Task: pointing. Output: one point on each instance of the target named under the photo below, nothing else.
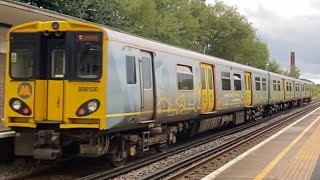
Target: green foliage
(168, 21)
(296, 74)
(274, 66)
(229, 35)
(217, 30)
(316, 90)
(99, 11)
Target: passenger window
(185, 77)
(274, 85)
(131, 70)
(146, 72)
(210, 79)
(290, 86)
(203, 78)
(245, 83)
(258, 84)
(264, 84)
(279, 85)
(226, 83)
(237, 82)
(249, 83)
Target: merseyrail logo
(24, 90)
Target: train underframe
(48, 142)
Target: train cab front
(55, 86)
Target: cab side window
(131, 70)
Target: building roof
(14, 13)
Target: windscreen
(67, 55)
(22, 60)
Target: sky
(286, 26)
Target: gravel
(16, 169)
(19, 168)
(147, 170)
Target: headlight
(92, 106)
(88, 107)
(16, 105)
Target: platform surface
(292, 153)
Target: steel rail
(108, 174)
(181, 168)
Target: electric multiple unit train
(75, 88)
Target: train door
(248, 89)
(283, 92)
(293, 89)
(305, 91)
(56, 70)
(146, 85)
(207, 92)
(210, 88)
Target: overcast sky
(287, 25)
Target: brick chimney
(293, 63)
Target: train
(75, 88)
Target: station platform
(292, 153)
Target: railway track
(98, 169)
(215, 152)
(183, 169)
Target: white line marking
(215, 173)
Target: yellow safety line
(305, 159)
(274, 162)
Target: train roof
(155, 46)
(290, 78)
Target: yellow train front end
(55, 87)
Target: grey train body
(124, 100)
(155, 93)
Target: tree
(227, 34)
(296, 74)
(316, 90)
(99, 11)
(274, 66)
(217, 30)
(168, 21)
